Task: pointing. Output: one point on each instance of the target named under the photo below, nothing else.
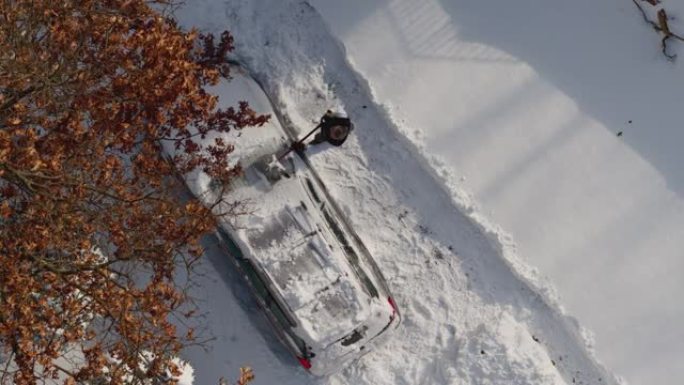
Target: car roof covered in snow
(284, 232)
(287, 236)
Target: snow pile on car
(300, 262)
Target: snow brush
(335, 126)
(299, 144)
(271, 166)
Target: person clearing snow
(334, 129)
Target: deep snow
(474, 313)
(520, 104)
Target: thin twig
(662, 27)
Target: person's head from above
(335, 127)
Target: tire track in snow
(466, 306)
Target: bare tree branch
(661, 26)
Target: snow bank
(561, 120)
(492, 352)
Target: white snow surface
(519, 103)
(468, 114)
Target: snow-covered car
(311, 273)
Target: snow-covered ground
(520, 103)
(468, 114)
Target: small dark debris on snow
(553, 362)
(535, 339)
(482, 352)
(364, 106)
(619, 133)
(629, 121)
(437, 253)
(423, 229)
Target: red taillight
(394, 306)
(304, 362)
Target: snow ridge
(542, 291)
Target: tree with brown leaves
(92, 230)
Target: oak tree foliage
(92, 229)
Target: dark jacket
(334, 130)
